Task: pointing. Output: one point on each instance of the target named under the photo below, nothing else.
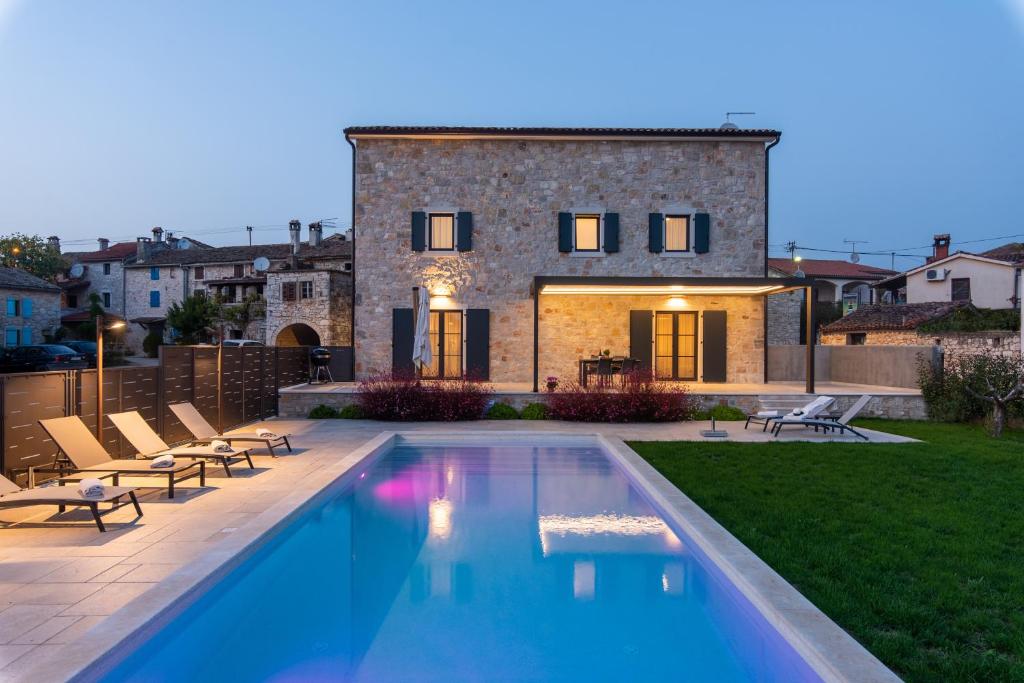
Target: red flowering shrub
(638, 399)
(404, 398)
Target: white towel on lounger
(90, 488)
(264, 433)
(166, 460)
(221, 446)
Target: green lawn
(917, 550)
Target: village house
(99, 272)
(31, 308)
(543, 247)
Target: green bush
(351, 412)
(534, 411)
(322, 412)
(722, 413)
(151, 344)
(970, 319)
(501, 411)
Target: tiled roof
(831, 268)
(517, 131)
(893, 316)
(245, 254)
(114, 253)
(1012, 252)
(15, 278)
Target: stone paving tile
(114, 573)
(10, 653)
(29, 660)
(48, 629)
(24, 571)
(151, 572)
(108, 599)
(53, 593)
(76, 630)
(80, 569)
(17, 620)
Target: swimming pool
(473, 562)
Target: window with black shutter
(239, 270)
(287, 291)
(961, 289)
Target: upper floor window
(587, 232)
(961, 289)
(154, 299)
(306, 289)
(287, 291)
(441, 232)
(13, 307)
(677, 233)
(154, 272)
(199, 273)
(106, 269)
(72, 301)
(239, 270)
(106, 299)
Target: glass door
(446, 345)
(675, 345)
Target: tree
(252, 307)
(31, 253)
(87, 330)
(994, 379)
(192, 318)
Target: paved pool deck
(62, 580)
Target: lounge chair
(842, 424)
(768, 417)
(13, 496)
(204, 432)
(149, 444)
(87, 455)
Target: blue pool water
(473, 564)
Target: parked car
(86, 348)
(41, 357)
(242, 342)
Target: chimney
(940, 247)
(294, 230)
(158, 234)
(142, 248)
(53, 242)
(316, 234)
(104, 243)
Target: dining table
(588, 367)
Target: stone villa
(31, 307)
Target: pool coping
(831, 652)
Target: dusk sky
(899, 119)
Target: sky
(900, 119)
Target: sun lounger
(811, 409)
(204, 432)
(87, 455)
(13, 496)
(842, 425)
(149, 444)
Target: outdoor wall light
(677, 302)
(440, 290)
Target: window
(106, 269)
(442, 232)
(287, 291)
(306, 289)
(446, 344)
(154, 299)
(12, 336)
(677, 233)
(26, 308)
(13, 307)
(856, 339)
(72, 301)
(154, 273)
(199, 293)
(675, 345)
(239, 270)
(587, 232)
(348, 266)
(961, 289)
(199, 273)
(106, 299)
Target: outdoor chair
(204, 432)
(149, 444)
(842, 424)
(13, 496)
(604, 370)
(87, 455)
(811, 409)
(627, 369)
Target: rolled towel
(768, 413)
(166, 460)
(264, 433)
(221, 446)
(90, 488)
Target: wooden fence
(242, 389)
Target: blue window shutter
(419, 231)
(26, 335)
(564, 232)
(11, 336)
(26, 308)
(154, 299)
(611, 233)
(701, 233)
(655, 232)
(12, 307)
(464, 230)
(154, 273)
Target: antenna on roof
(729, 125)
(854, 256)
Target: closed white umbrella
(422, 356)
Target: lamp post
(100, 324)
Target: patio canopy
(582, 285)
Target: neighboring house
(543, 246)
(989, 279)
(99, 272)
(31, 307)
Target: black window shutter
(564, 232)
(402, 333)
(478, 343)
(419, 231)
(641, 337)
(701, 233)
(464, 221)
(714, 360)
(611, 233)
(655, 232)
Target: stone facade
(784, 318)
(515, 189)
(328, 311)
(36, 327)
(1000, 342)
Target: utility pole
(249, 230)
(791, 248)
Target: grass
(917, 550)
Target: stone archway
(297, 334)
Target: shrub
(351, 412)
(970, 319)
(151, 344)
(322, 412)
(501, 411)
(396, 397)
(534, 411)
(721, 413)
(962, 391)
(639, 400)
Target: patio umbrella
(421, 353)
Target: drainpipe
(764, 305)
(352, 319)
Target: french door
(675, 345)
(446, 344)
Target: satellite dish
(261, 264)
(77, 270)
(854, 257)
(182, 244)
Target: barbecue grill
(319, 362)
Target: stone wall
(515, 190)
(328, 312)
(784, 318)
(45, 316)
(1001, 342)
(172, 285)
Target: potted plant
(606, 353)
(552, 383)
